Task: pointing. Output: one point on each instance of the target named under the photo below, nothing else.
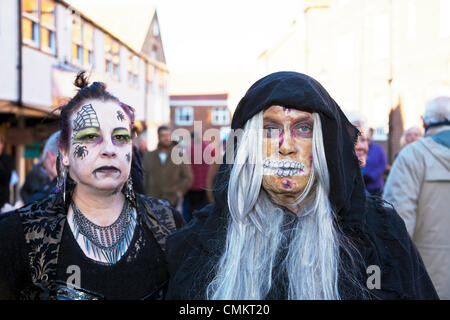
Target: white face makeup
(100, 150)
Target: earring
(129, 192)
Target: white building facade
(371, 55)
(44, 43)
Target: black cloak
(373, 226)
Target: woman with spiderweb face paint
(96, 232)
(99, 155)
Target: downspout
(19, 62)
(145, 96)
(19, 152)
(391, 107)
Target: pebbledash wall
(39, 64)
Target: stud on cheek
(128, 157)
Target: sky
(215, 35)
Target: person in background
(163, 178)
(197, 197)
(419, 188)
(362, 144)
(6, 169)
(40, 184)
(35, 181)
(213, 168)
(376, 165)
(411, 135)
(141, 144)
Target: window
(133, 69)
(184, 116)
(154, 54)
(38, 24)
(82, 43)
(220, 116)
(112, 53)
(380, 133)
(155, 30)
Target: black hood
(299, 91)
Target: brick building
(202, 112)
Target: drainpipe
(20, 150)
(145, 95)
(391, 107)
(19, 51)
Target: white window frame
(182, 112)
(112, 58)
(37, 26)
(82, 45)
(220, 116)
(133, 70)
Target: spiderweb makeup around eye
(86, 118)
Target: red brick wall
(203, 114)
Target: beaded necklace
(110, 241)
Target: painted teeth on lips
(282, 168)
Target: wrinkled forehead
(99, 114)
(286, 112)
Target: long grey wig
(256, 230)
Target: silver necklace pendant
(111, 241)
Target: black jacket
(375, 229)
(6, 169)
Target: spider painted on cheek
(80, 151)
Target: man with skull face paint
(83, 242)
(291, 219)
